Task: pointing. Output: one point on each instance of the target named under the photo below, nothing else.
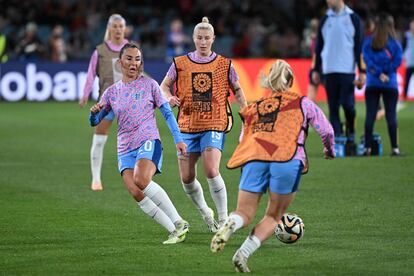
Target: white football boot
(240, 262)
(211, 223)
(222, 236)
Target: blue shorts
(151, 150)
(198, 142)
(280, 178)
(110, 116)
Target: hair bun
(205, 19)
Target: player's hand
(96, 108)
(329, 153)
(363, 78)
(316, 78)
(360, 81)
(181, 148)
(83, 102)
(384, 78)
(174, 101)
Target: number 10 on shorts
(147, 147)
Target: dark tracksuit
(338, 49)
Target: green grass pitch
(358, 212)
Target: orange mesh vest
(270, 131)
(203, 89)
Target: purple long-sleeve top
(134, 105)
(314, 116)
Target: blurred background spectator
(57, 45)
(131, 35)
(30, 47)
(177, 41)
(309, 37)
(244, 28)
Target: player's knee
(141, 181)
(188, 178)
(276, 212)
(211, 172)
(137, 194)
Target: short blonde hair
(204, 24)
(280, 77)
(112, 18)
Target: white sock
(250, 245)
(219, 195)
(195, 192)
(152, 210)
(158, 195)
(239, 221)
(98, 144)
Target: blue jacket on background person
(384, 61)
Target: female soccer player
(203, 80)
(133, 101)
(383, 55)
(272, 156)
(103, 63)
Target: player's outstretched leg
(240, 262)
(218, 193)
(222, 236)
(195, 192)
(249, 246)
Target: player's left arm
(171, 122)
(318, 120)
(173, 126)
(239, 94)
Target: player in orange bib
(272, 156)
(203, 80)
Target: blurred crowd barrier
(64, 82)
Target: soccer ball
(290, 229)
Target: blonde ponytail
(280, 77)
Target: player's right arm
(100, 110)
(97, 113)
(167, 86)
(90, 78)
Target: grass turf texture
(357, 211)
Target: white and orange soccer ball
(290, 228)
